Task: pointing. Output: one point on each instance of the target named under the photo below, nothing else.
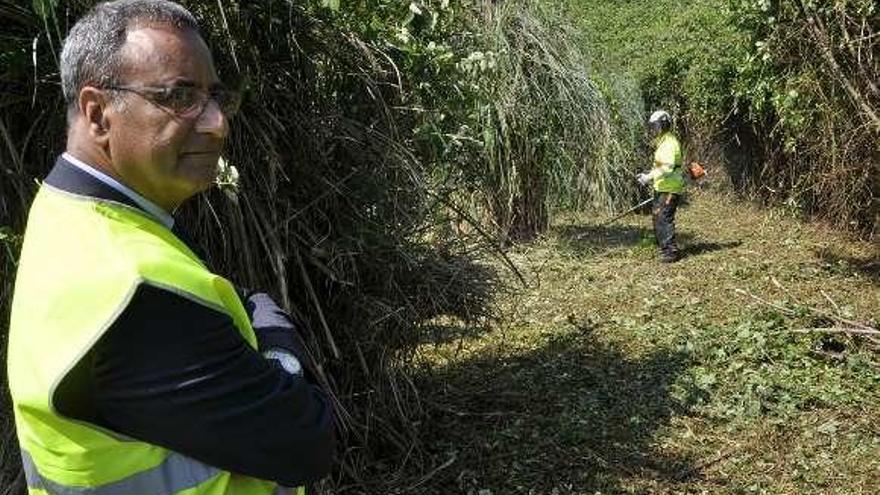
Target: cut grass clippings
(613, 373)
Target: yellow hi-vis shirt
(65, 299)
(667, 172)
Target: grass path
(612, 373)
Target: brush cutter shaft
(627, 212)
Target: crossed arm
(178, 374)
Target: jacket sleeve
(175, 373)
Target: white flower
(227, 178)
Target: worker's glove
(644, 179)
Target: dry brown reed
(552, 135)
(330, 218)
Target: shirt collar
(145, 204)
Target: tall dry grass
(554, 133)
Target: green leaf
(331, 4)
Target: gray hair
(91, 50)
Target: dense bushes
(783, 92)
(810, 82)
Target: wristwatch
(287, 360)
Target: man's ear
(93, 107)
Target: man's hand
(273, 327)
(644, 179)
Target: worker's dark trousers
(663, 215)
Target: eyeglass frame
(192, 112)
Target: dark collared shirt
(174, 373)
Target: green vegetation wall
(782, 94)
(809, 85)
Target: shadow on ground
(597, 239)
(451, 333)
(594, 239)
(573, 416)
(866, 266)
(690, 249)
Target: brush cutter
(625, 213)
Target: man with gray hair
(133, 368)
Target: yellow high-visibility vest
(81, 262)
(668, 173)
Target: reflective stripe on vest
(175, 474)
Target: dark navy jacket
(174, 373)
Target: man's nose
(212, 120)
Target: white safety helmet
(660, 117)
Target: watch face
(287, 360)
(291, 364)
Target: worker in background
(133, 368)
(667, 177)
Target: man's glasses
(186, 101)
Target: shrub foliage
(786, 90)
